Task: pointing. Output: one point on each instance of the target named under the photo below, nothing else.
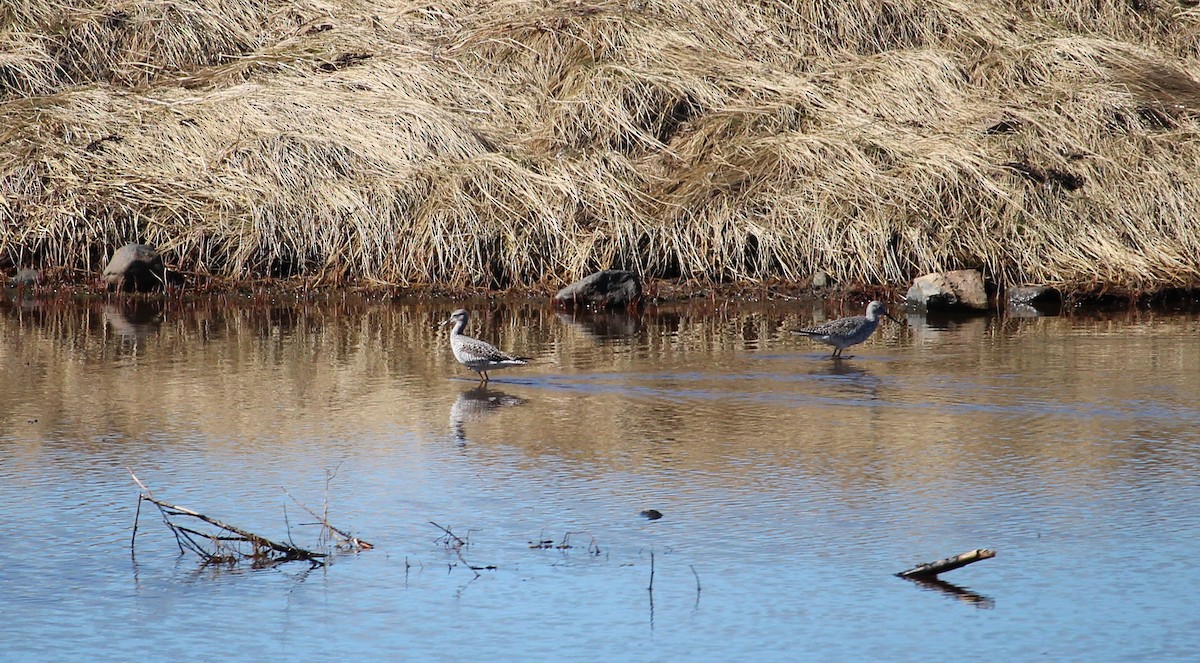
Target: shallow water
(792, 486)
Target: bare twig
(347, 538)
(458, 542)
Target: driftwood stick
(931, 569)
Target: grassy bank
(510, 144)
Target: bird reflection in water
(841, 369)
(847, 379)
(475, 404)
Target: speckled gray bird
(845, 332)
(475, 354)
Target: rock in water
(1033, 300)
(941, 290)
(931, 291)
(27, 277)
(1033, 294)
(610, 288)
(136, 267)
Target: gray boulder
(1033, 294)
(610, 288)
(1033, 300)
(27, 278)
(136, 267)
(943, 290)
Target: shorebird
(475, 354)
(844, 332)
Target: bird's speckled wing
(474, 349)
(839, 327)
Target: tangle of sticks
(217, 542)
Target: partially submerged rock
(610, 288)
(27, 277)
(943, 290)
(136, 267)
(1033, 301)
(1033, 294)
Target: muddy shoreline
(657, 292)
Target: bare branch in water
(347, 540)
(456, 543)
(450, 540)
(221, 547)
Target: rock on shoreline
(610, 288)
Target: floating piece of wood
(931, 569)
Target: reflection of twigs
(458, 542)
(651, 587)
(192, 539)
(348, 539)
(489, 567)
(136, 515)
(593, 547)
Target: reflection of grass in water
(246, 378)
(501, 144)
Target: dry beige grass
(501, 144)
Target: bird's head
(878, 308)
(457, 316)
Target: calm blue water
(792, 487)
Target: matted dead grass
(515, 144)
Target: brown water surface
(792, 486)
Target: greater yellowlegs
(475, 354)
(844, 332)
